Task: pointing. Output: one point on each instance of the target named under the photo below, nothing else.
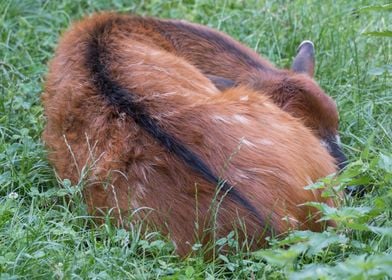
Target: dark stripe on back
(221, 43)
(124, 102)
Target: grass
(45, 231)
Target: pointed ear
(304, 60)
(221, 83)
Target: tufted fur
(155, 132)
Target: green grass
(45, 231)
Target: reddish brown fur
(265, 153)
(215, 53)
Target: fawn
(155, 132)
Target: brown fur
(215, 53)
(265, 153)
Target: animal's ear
(221, 83)
(304, 60)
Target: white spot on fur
(242, 175)
(278, 126)
(218, 118)
(241, 119)
(266, 142)
(244, 98)
(269, 105)
(248, 143)
(157, 159)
